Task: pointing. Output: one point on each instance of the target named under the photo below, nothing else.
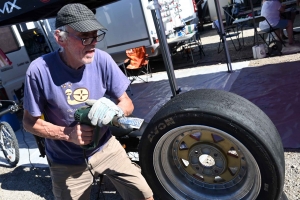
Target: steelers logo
(81, 94)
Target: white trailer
(130, 24)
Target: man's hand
(81, 134)
(103, 111)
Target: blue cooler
(12, 119)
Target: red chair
(137, 63)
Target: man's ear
(59, 38)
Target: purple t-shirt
(56, 90)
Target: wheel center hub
(207, 160)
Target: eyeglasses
(88, 41)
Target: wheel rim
(200, 162)
(7, 144)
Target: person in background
(59, 83)
(271, 10)
(200, 14)
(236, 8)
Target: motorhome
(130, 24)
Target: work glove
(103, 111)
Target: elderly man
(59, 83)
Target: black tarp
(18, 11)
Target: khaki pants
(74, 181)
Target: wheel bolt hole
(196, 152)
(216, 171)
(215, 155)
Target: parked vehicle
(138, 29)
(12, 76)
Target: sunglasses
(88, 41)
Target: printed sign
(9, 6)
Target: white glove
(103, 111)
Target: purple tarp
(273, 88)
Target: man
(271, 10)
(59, 83)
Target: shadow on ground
(38, 182)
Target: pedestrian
(60, 82)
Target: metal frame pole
(225, 46)
(160, 30)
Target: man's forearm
(125, 103)
(45, 129)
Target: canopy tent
(20, 11)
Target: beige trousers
(74, 181)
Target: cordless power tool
(81, 115)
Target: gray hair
(63, 34)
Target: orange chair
(137, 63)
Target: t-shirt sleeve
(33, 94)
(117, 83)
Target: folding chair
(229, 23)
(268, 31)
(137, 63)
(228, 34)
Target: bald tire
(228, 113)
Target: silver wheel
(201, 162)
(9, 144)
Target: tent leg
(160, 30)
(218, 9)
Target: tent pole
(160, 30)
(41, 25)
(225, 46)
(254, 25)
